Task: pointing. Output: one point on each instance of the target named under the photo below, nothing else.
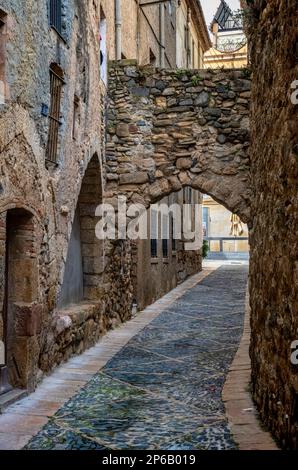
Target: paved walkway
(155, 383)
(163, 389)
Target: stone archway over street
(173, 128)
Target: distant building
(226, 234)
(62, 287)
(165, 34)
(144, 31)
(192, 35)
(228, 38)
(229, 51)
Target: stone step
(11, 397)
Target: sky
(210, 7)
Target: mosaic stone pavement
(163, 389)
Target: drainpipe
(118, 26)
(162, 34)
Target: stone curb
(240, 410)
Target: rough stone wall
(149, 35)
(274, 245)
(156, 277)
(79, 326)
(51, 192)
(169, 129)
(2, 269)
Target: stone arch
(172, 128)
(20, 297)
(85, 259)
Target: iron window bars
(54, 115)
(154, 248)
(56, 15)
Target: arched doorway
(20, 310)
(169, 248)
(85, 259)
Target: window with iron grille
(57, 82)
(3, 34)
(56, 15)
(165, 248)
(153, 248)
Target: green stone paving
(163, 389)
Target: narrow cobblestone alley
(163, 389)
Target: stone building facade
(52, 155)
(272, 28)
(60, 287)
(162, 34)
(170, 130)
(150, 36)
(161, 262)
(191, 129)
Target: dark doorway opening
(21, 314)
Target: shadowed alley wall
(273, 239)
